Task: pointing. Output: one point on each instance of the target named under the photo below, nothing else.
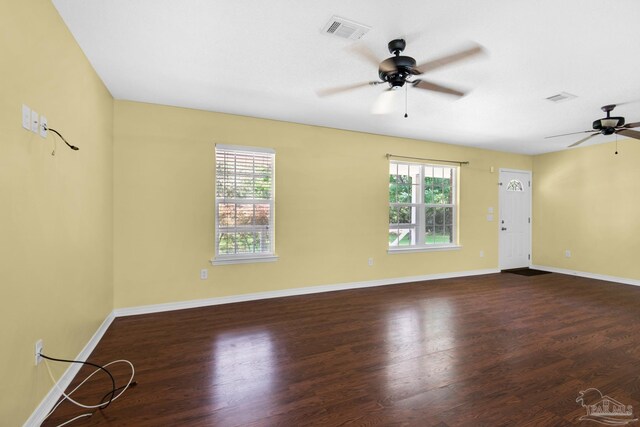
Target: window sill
(424, 249)
(244, 260)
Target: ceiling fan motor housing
(607, 125)
(396, 69)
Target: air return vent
(562, 96)
(345, 28)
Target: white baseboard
(156, 308)
(623, 280)
(52, 397)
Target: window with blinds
(244, 202)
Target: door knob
(504, 228)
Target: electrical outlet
(567, 253)
(26, 117)
(39, 347)
(370, 262)
(43, 126)
(204, 274)
(481, 254)
(34, 122)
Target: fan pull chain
(406, 95)
(616, 144)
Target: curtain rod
(432, 160)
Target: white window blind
(244, 202)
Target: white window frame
(420, 207)
(267, 256)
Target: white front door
(515, 219)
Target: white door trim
(530, 179)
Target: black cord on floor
(112, 393)
(133, 383)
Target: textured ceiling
(268, 59)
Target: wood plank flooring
(494, 350)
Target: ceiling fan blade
(449, 59)
(565, 134)
(627, 102)
(341, 89)
(423, 84)
(367, 54)
(630, 133)
(632, 125)
(583, 140)
(384, 104)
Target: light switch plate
(26, 117)
(34, 121)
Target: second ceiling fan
(606, 126)
(399, 70)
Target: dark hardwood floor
(494, 350)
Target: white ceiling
(268, 58)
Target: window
(422, 206)
(244, 204)
(515, 185)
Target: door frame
(530, 179)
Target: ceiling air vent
(345, 28)
(562, 96)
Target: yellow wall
(587, 200)
(164, 205)
(56, 220)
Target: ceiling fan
(607, 126)
(399, 70)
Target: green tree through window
(422, 205)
